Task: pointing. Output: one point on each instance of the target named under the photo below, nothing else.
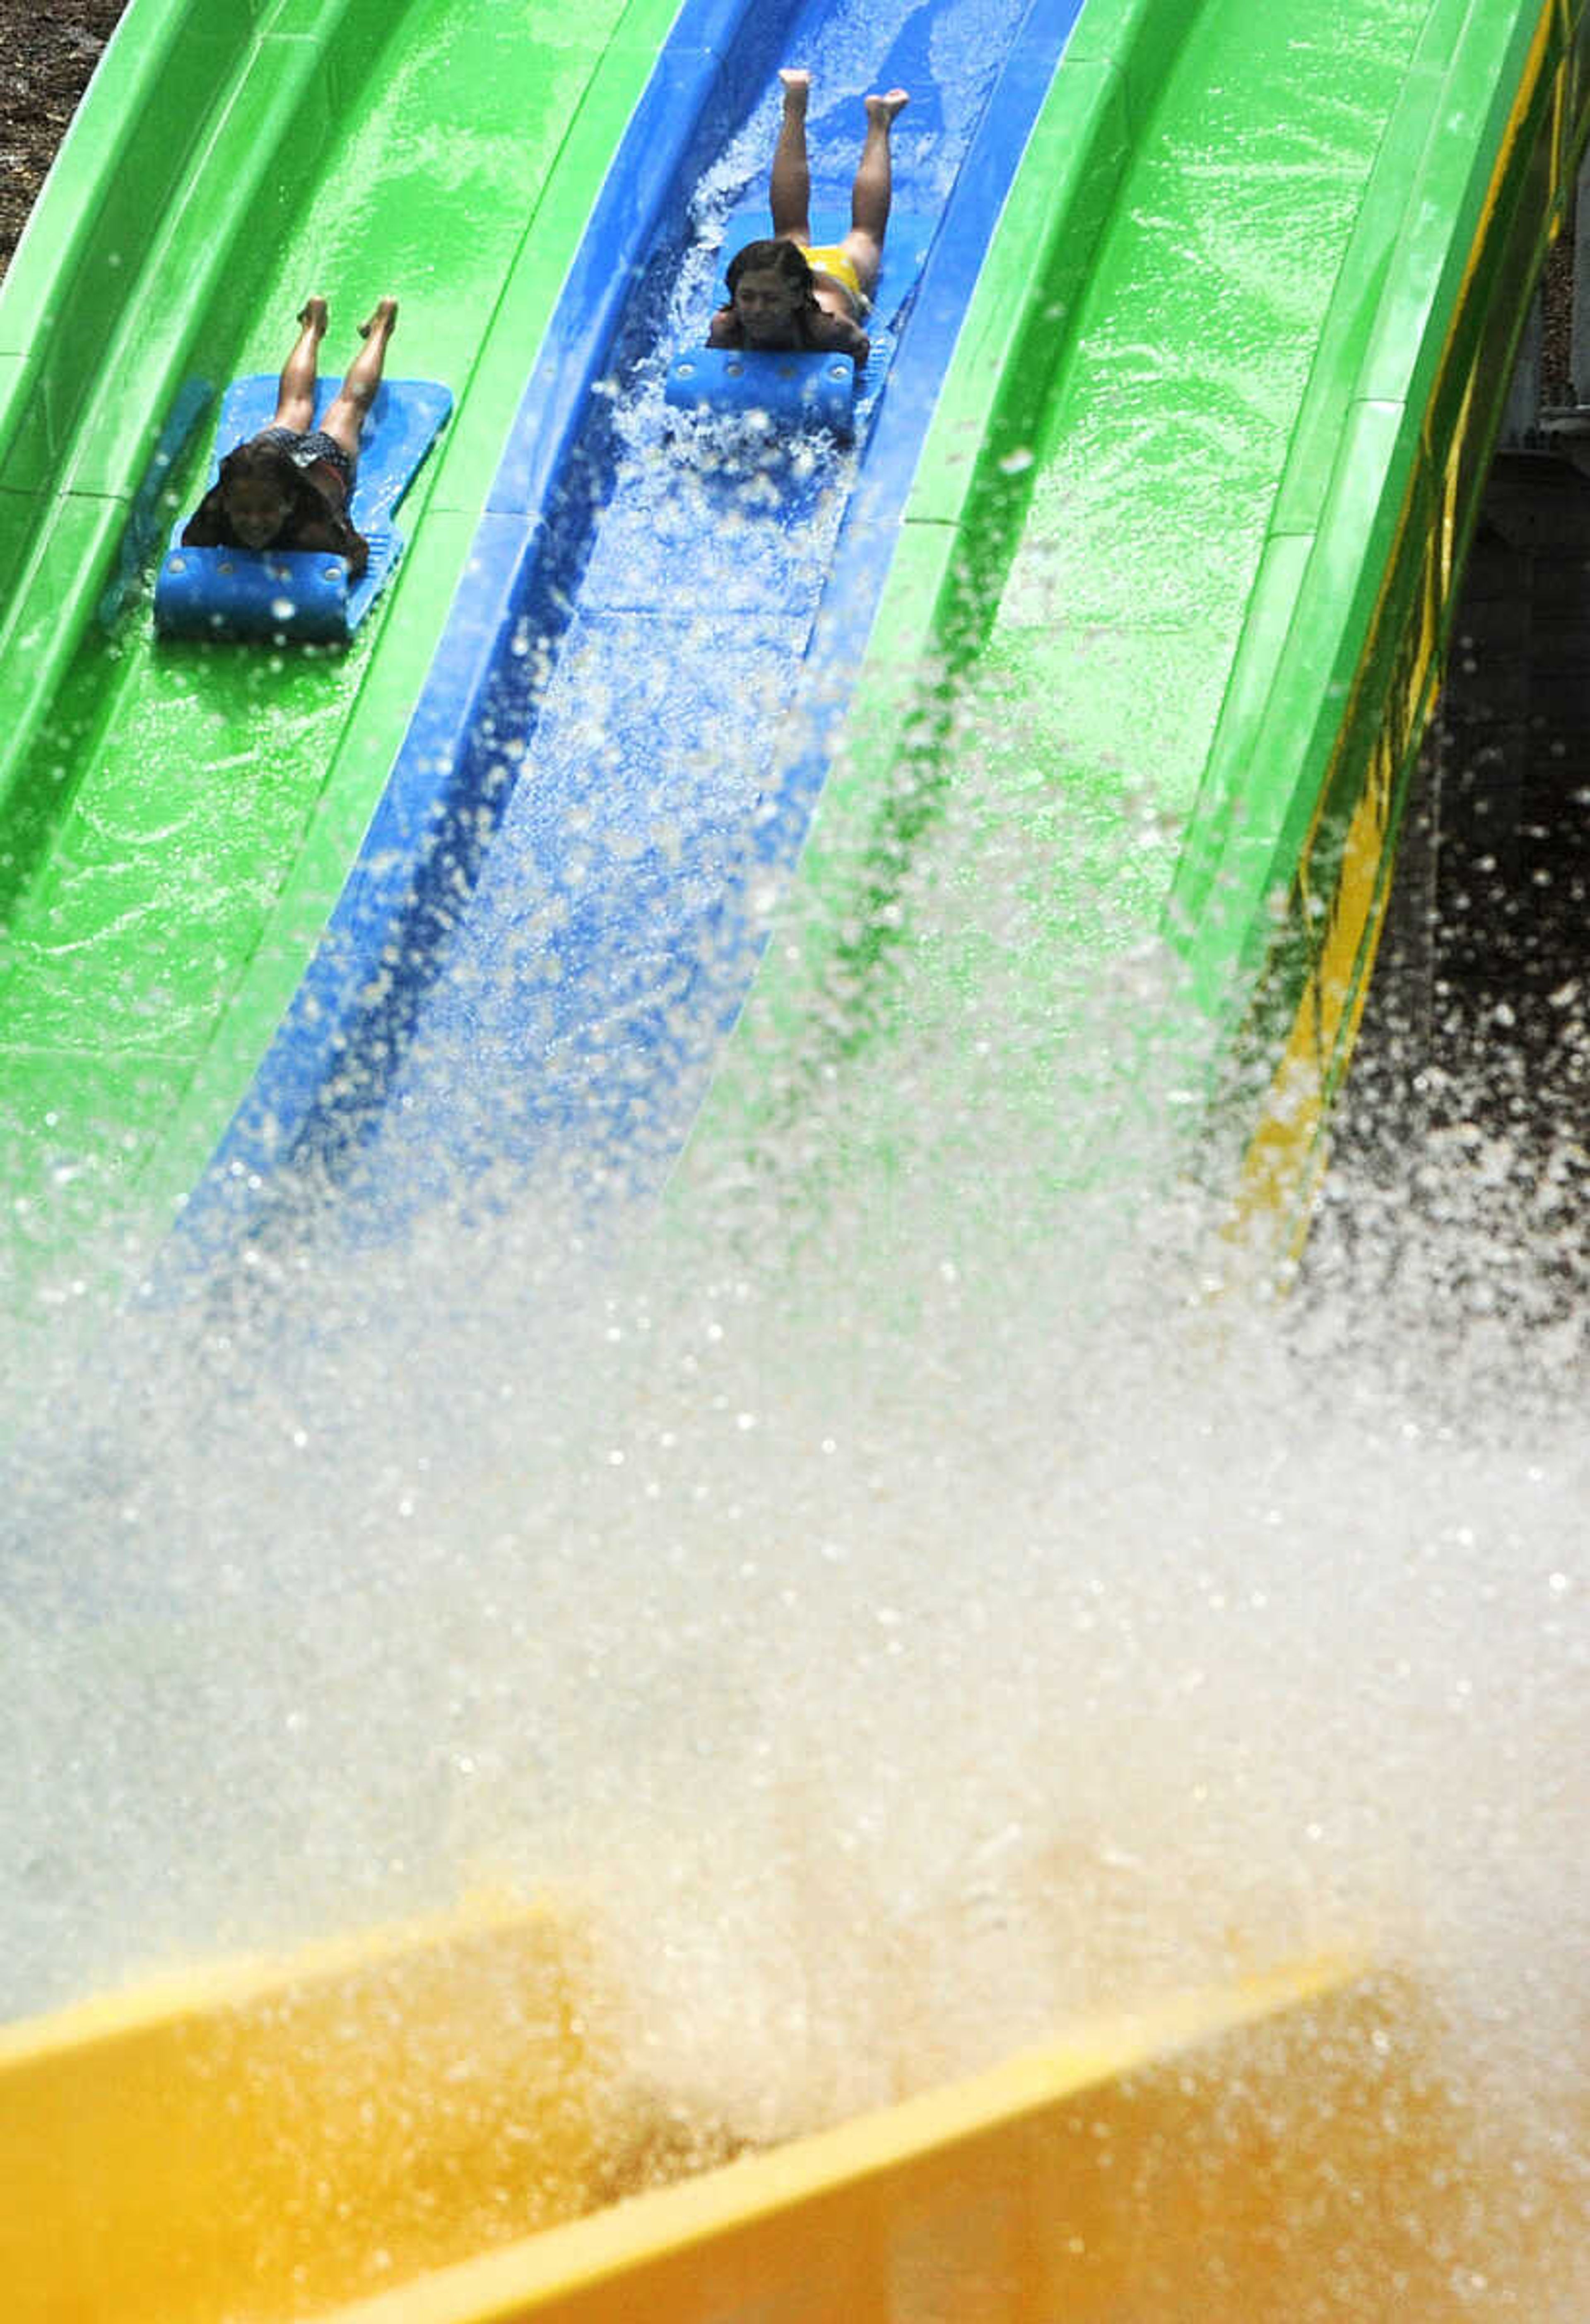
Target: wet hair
(304, 504)
(785, 258)
(254, 463)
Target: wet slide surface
(1138, 495)
(177, 821)
(1169, 471)
(1185, 535)
(651, 715)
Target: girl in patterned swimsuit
(289, 486)
(784, 293)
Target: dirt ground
(49, 47)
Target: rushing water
(654, 737)
(916, 1656)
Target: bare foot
(797, 83)
(882, 110)
(383, 320)
(314, 315)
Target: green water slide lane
(176, 823)
(1116, 800)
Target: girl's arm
(836, 334)
(337, 537)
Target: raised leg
(874, 188)
(346, 417)
(295, 390)
(791, 187)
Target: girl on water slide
(289, 486)
(785, 294)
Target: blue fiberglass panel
(613, 761)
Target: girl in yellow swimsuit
(787, 293)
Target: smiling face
(256, 510)
(766, 303)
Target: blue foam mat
(801, 390)
(301, 594)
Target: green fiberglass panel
(1157, 460)
(177, 821)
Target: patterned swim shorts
(304, 448)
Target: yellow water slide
(429, 2125)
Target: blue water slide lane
(419, 891)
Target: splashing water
(904, 1655)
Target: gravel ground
(49, 49)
